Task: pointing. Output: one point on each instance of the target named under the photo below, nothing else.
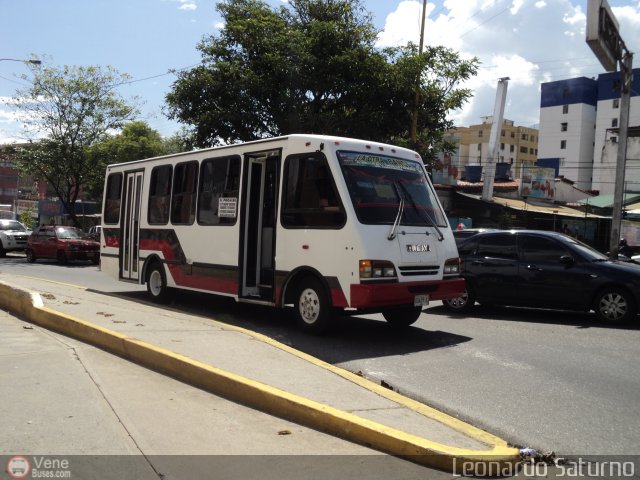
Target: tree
(136, 141)
(71, 108)
(312, 67)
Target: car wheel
(95, 260)
(402, 316)
(62, 257)
(312, 310)
(3, 252)
(157, 284)
(615, 305)
(463, 303)
(30, 256)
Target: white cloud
(187, 5)
(530, 41)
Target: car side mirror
(567, 260)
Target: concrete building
(518, 146)
(578, 117)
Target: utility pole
(621, 161)
(496, 128)
(414, 114)
(606, 43)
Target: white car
(13, 236)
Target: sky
(529, 41)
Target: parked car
(94, 233)
(532, 268)
(62, 243)
(13, 236)
(465, 233)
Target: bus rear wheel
(402, 316)
(312, 309)
(157, 284)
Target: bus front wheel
(402, 316)
(312, 309)
(157, 284)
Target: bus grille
(419, 270)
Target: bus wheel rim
(309, 306)
(155, 283)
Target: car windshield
(379, 183)
(66, 233)
(12, 225)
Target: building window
(614, 122)
(563, 144)
(513, 134)
(531, 151)
(565, 109)
(502, 133)
(523, 149)
(479, 147)
(479, 133)
(616, 103)
(614, 139)
(512, 148)
(563, 127)
(502, 146)
(525, 136)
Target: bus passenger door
(130, 226)
(258, 229)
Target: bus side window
(310, 197)
(218, 191)
(159, 195)
(113, 196)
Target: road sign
(602, 34)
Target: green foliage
(312, 67)
(136, 141)
(27, 219)
(72, 108)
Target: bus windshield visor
(378, 183)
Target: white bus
(325, 224)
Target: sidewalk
(253, 370)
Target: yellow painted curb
(28, 305)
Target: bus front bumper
(371, 295)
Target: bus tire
(157, 283)
(312, 310)
(402, 316)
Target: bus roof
(296, 136)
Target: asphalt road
(553, 381)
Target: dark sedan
(531, 268)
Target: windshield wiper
(422, 213)
(393, 233)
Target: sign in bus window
(219, 190)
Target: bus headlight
(451, 267)
(377, 269)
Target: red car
(62, 243)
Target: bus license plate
(421, 300)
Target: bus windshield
(380, 186)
